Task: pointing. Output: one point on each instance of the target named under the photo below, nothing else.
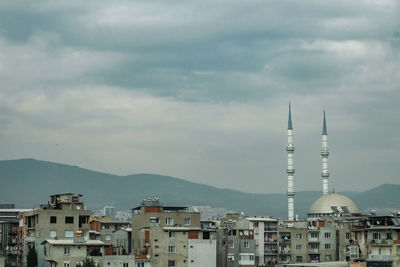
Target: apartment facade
(171, 236)
(63, 218)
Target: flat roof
(174, 208)
(181, 229)
(262, 219)
(71, 242)
(114, 222)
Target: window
(246, 244)
(169, 221)
(108, 237)
(206, 235)
(299, 247)
(389, 235)
(187, 221)
(80, 264)
(255, 224)
(69, 233)
(347, 236)
(125, 264)
(66, 250)
(231, 244)
(328, 258)
(53, 219)
(327, 235)
(299, 236)
(327, 246)
(231, 257)
(299, 258)
(53, 233)
(376, 235)
(171, 234)
(171, 263)
(66, 263)
(314, 235)
(171, 249)
(69, 219)
(140, 264)
(246, 257)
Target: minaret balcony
(325, 174)
(290, 148)
(290, 171)
(290, 194)
(324, 153)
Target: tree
(88, 262)
(31, 258)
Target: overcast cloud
(199, 89)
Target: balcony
(270, 229)
(381, 258)
(270, 252)
(285, 241)
(270, 241)
(313, 251)
(285, 251)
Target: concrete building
(11, 241)
(293, 242)
(266, 240)
(171, 236)
(236, 244)
(114, 234)
(63, 218)
(383, 238)
(109, 211)
(69, 253)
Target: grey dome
(332, 203)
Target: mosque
(329, 204)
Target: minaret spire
(324, 157)
(290, 169)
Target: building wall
(202, 253)
(119, 261)
(76, 254)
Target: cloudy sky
(199, 89)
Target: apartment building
(11, 241)
(116, 235)
(236, 244)
(70, 253)
(63, 218)
(292, 242)
(171, 236)
(266, 240)
(383, 238)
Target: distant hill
(29, 182)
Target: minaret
(324, 156)
(290, 169)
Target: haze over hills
(29, 182)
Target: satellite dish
(148, 256)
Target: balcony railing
(313, 251)
(270, 252)
(270, 229)
(270, 240)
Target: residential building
(11, 241)
(70, 253)
(266, 240)
(171, 236)
(236, 244)
(63, 218)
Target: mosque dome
(331, 204)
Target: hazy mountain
(29, 182)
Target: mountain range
(29, 182)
